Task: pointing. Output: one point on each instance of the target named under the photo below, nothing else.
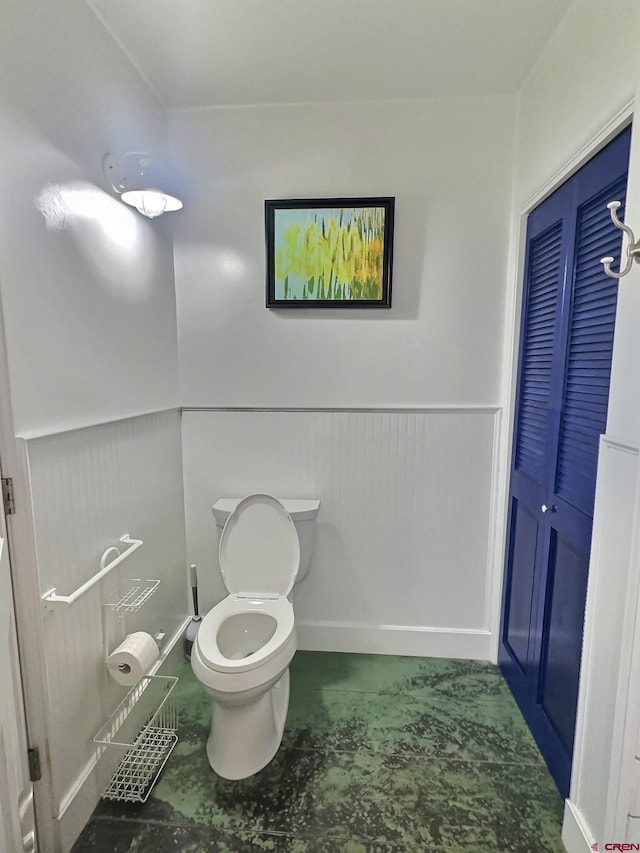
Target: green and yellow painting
(326, 253)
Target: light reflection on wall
(117, 243)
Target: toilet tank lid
(299, 509)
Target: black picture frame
(329, 252)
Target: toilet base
(244, 738)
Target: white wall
(574, 100)
(89, 488)
(383, 578)
(447, 162)
(88, 301)
(403, 550)
(585, 74)
(86, 283)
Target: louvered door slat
(537, 354)
(590, 342)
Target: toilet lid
(259, 548)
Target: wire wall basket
(131, 595)
(141, 733)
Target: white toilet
(245, 643)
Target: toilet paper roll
(132, 659)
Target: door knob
(546, 508)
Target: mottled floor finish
(380, 754)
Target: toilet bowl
(245, 643)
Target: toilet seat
(280, 609)
(259, 560)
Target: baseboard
(576, 835)
(394, 640)
(83, 796)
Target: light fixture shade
(136, 177)
(151, 202)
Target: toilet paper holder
(133, 658)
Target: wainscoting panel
(608, 722)
(404, 548)
(88, 488)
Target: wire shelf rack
(137, 772)
(131, 595)
(141, 734)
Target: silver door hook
(633, 247)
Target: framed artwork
(329, 252)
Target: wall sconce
(135, 177)
(633, 247)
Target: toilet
(245, 643)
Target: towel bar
(51, 599)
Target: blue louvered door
(566, 343)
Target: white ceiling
(197, 53)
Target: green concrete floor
(380, 753)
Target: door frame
(27, 609)
(513, 311)
(17, 817)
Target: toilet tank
(302, 511)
